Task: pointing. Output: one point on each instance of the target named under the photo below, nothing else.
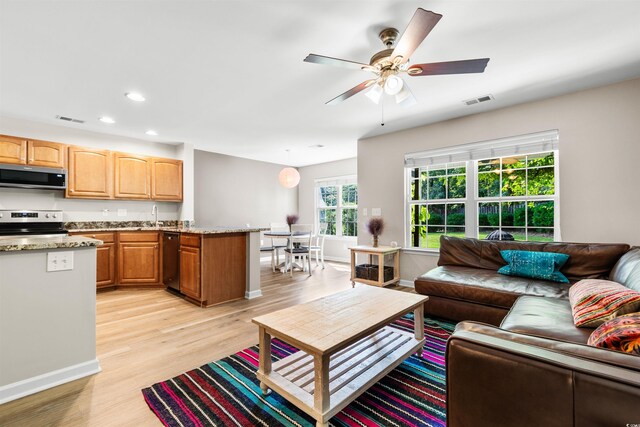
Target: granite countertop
(194, 230)
(34, 243)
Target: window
(507, 187)
(437, 205)
(517, 196)
(337, 206)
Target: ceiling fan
(389, 63)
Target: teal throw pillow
(537, 265)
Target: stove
(38, 223)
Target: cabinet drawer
(138, 236)
(105, 237)
(190, 240)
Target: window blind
(511, 146)
(336, 181)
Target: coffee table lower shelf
(352, 371)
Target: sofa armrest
(493, 379)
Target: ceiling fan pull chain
(382, 113)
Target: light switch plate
(376, 211)
(364, 211)
(122, 212)
(59, 261)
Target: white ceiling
(229, 76)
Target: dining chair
(318, 244)
(266, 248)
(299, 244)
(279, 244)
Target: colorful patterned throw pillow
(621, 334)
(595, 301)
(537, 265)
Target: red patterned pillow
(621, 334)
(595, 301)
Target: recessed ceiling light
(151, 132)
(135, 96)
(106, 119)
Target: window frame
(472, 201)
(338, 182)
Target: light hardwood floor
(148, 336)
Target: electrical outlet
(59, 261)
(376, 211)
(364, 212)
(122, 212)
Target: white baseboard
(38, 383)
(253, 294)
(408, 283)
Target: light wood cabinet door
(166, 179)
(45, 153)
(13, 150)
(132, 177)
(190, 271)
(90, 173)
(105, 258)
(138, 263)
(106, 265)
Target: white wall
(334, 248)
(234, 192)
(87, 210)
(599, 155)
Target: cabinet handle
(72, 190)
(93, 236)
(155, 247)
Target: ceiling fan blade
(348, 94)
(419, 27)
(450, 67)
(336, 62)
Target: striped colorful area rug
(226, 392)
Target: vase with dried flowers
(375, 227)
(291, 219)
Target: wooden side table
(380, 252)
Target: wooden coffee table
(345, 345)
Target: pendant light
(289, 177)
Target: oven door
(32, 177)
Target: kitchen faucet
(154, 211)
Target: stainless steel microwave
(32, 177)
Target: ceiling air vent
(478, 100)
(69, 119)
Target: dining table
(286, 235)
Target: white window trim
(335, 182)
(470, 153)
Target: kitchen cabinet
(45, 153)
(213, 267)
(23, 151)
(132, 176)
(138, 258)
(90, 173)
(166, 179)
(105, 258)
(190, 284)
(13, 150)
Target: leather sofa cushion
(627, 270)
(485, 286)
(595, 354)
(545, 317)
(586, 260)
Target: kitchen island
(217, 264)
(47, 313)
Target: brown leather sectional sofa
(535, 368)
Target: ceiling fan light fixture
(375, 93)
(393, 85)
